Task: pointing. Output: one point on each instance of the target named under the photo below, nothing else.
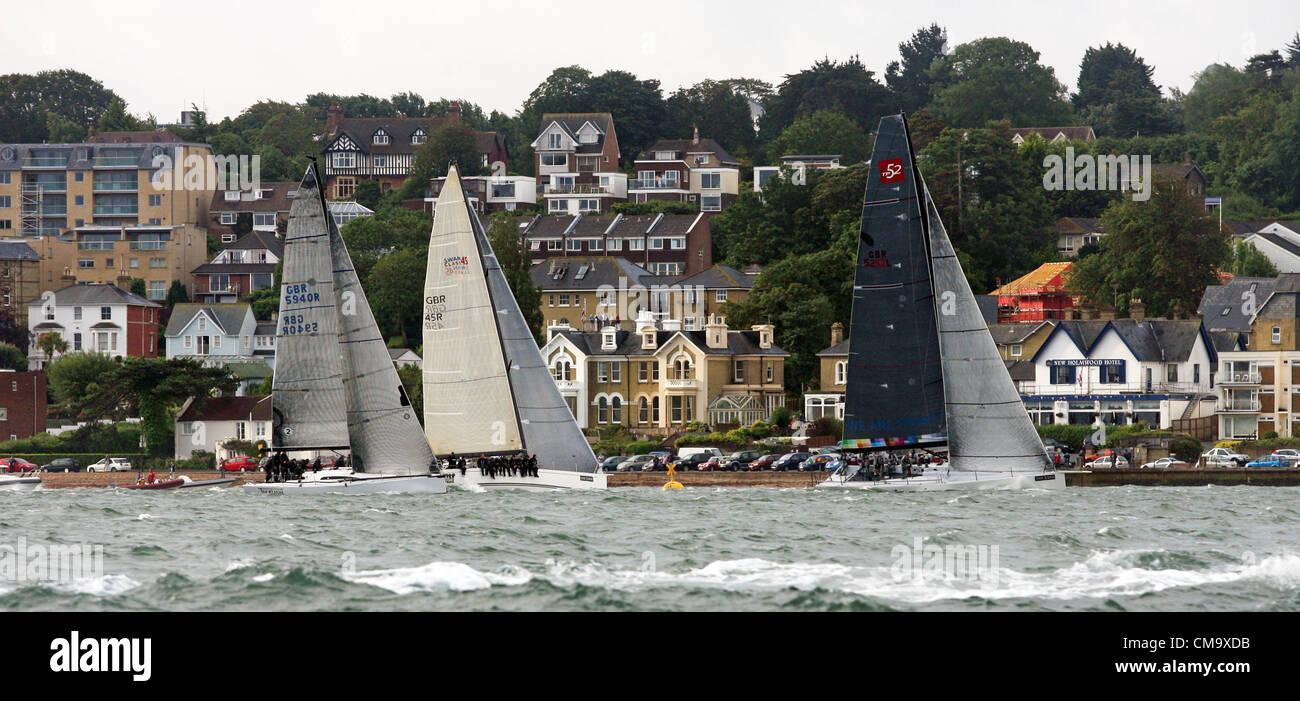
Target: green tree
(910, 79)
(516, 263)
(998, 79)
(1117, 94)
(28, 101)
(1247, 261)
(11, 331)
(413, 382)
(367, 193)
(823, 132)
(847, 87)
(1164, 251)
(11, 358)
(176, 294)
(50, 344)
(61, 130)
(138, 287)
(719, 112)
(116, 118)
(1217, 90)
(388, 288)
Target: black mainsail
(894, 396)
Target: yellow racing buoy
(672, 479)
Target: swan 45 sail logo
(455, 265)
(891, 171)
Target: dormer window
(608, 340)
(231, 195)
(419, 136)
(648, 339)
(665, 156)
(380, 138)
(587, 137)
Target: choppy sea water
(1113, 548)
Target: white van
(694, 450)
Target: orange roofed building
(1037, 296)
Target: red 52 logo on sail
(891, 171)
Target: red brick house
(383, 148)
(22, 404)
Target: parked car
(1290, 455)
(1117, 461)
(62, 465)
(683, 452)
(1222, 457)
(636, 463)
(110, 465)
(664, 456)
(239, 464)
(740, 460)
(1103, 453)
(1165, 464)
(612, 462)
(1269, 461)
(790, 461)
(18, 465)
(713, 464)
(762, 463)
(691, 462)
(821, 462)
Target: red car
(763, 463)
(240, 463)
(18, 465)
(710, 465)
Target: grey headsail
(486, 387)
(308, 400)
(988, 427)
(385, 429)
(894, 397)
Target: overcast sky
(163, 55)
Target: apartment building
(1257, 385)
(114, 255)
(108, 181)
(664, 244)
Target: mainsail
(988, 427)
(486, 387)
(894, 397)
(383, 426)
(308, 400)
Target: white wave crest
(455, 576)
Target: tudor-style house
(1258, 386)
(576, 163)
(239, 268)
(266, 209)
(383, 148)
(96, 318)
(657, 378)
(696, 171)
(664, 244)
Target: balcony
(46, 162)
(690, 383)
(110, 210)
(116, 161)
(148, 245)
(659, 184)
(570, 386)
(1245, 406)
(583, 189)
(117, 186)
(229, 288)
(1238, 378)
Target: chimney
(1087, 312)
(696, 140)
(334, 121)
(715, 332)
(837, 333)
(453, 111)
(1187, 159)
(1107, 313)
(1136, 309)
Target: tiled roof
(227, 409)
(277, 201)
(588, 273)
(719, 277)
(1222, 307)
(258, 241)
(1049, 133)
(1004, 334)
(1150, 340)
(399, 130)
(17, 250)
(688, 146)
(629, 343)
(228, 317)
(234, 268)
(89, 294)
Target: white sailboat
(923, 369)
(487, 390)
(335, 386)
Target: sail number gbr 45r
(435, 307)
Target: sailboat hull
(380, 484)
(946, 481)
(473, 480)
(19, 483)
